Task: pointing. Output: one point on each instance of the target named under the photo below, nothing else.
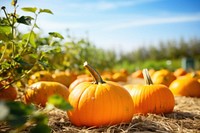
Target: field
(24, 54)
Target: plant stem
(147, 77)
(94, 73)
(4, 10)
(28, 39)
(3, 53)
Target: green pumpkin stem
(94, 73)
(147, 77)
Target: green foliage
(59, 102)
(20, 53)
(18, 113)
(20, 116)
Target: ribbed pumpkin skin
(154, 99)
(100, 104)
(185, 86)
(39, 92)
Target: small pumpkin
(163, 76)
(119, 77)
(40, 76)
(99, 103)
(8, 93)
(151, 98)
(180, 72)
(80, 79)
(185, 86)
(137, 74)
(39, 92)
(64, 77)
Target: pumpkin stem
(147, 77)
(94, 73)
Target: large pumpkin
(7, 92)
(186, 86)
(99, 103)
(39, 92)
(151, 98)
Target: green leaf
(5, 33)
(25, 20)
(45, 11)
(31, 38)
(44, 63)
(59, 102)
(40, 128)
(19, 113)
(56, 34)
(19, 60)
(37, 26)
(5, 65)
(29, 9)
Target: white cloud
(154, 21)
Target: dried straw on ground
(184, 119)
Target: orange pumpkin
(7, 93)
(99, 103)
(163, 77)
(63, 77)
(119, 77)
(39, 92)
(79, 80)
(151, 98)
(185, 86)
(180, 72)
(40, 76)
(137, 74)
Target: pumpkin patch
(46, 88)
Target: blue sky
(121, 25)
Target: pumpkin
(185, 86)
(8, 93)
(180, 72)
(64, 77)
(137, 74)
(83, 78)
(151, 98)
(99, 103)
(40, 76)
(163, 77)
(119, 77)
(39, 92)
